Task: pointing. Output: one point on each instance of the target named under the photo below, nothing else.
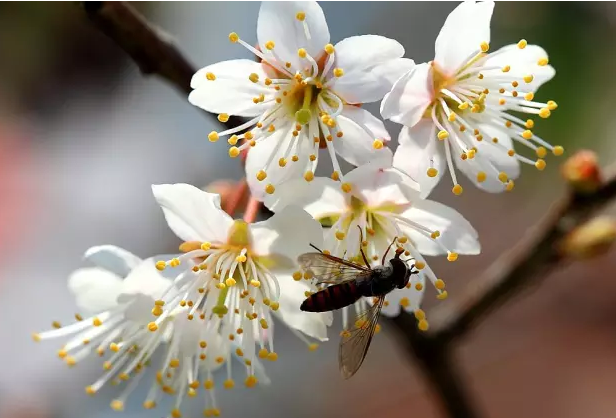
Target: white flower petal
(114, 259)
(145, 279)
(466, 27)
(321, 197)
(278, 23)
(139, 309)
(409, 97)
(231, 92)
(277, 144)
(418, 151)
(286, 235)
(523, 62)
(291, 297)
(377, 186)
(95, 289)
(457, 234)
(369, 63)
(360, 129)
(192, 214)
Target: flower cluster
(216, 300)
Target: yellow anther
(234, 152)
(175, 413)
(501, 102)
(254, 77)
(529, 96)
(502, 176)
(529, 78)
(97, 322)
(220, 286)
(241, 258)
(282, 162)
(485, 47)
(272, 356)
(308, 176)
(443, 135)
(506, 69)
(346, 187)
(232, 140)
(230, 282)
(338, 72)
(149, 404)
(234, 37)
(270, 45)
(419, 265)
(261, 175)
(463, 106)
(287, 64)
(542, 62)
(552, 105)
(541, 152)
(275, 305)
(263, 353)
(420, 314)
(90, 390)
(297, 276)
(220, 360)
(452, 256)
(423, 325)
(208, 384)
(345, 334)
(174, 262)
(377, 144)
(152, 326)
(313, 346)
(123, 376)
(302, 53)
(418, 287)
(540, 164)
(264, 323)
(545, 113)
(481, 176)
(160, 265)
(255, 283)
(405, 302)
(312, 157)
(56, 324)
(213, 136)
(223, 117)
(340, 235)
(210, 76)
(114, 347)
(117, 405)
(107, 365)
(511, 153)
(439, 284)
(443, 295)
(480, 76)
(451, 118)
(471, 153)
(558, 150)
(248, 135)
(432, 172)
(457, 190)
(229, 384)
(530, 124)
(78, 317)
(300, 16)
(270, 189)
(522, 44)
(250, 381)
(329, 48)
(335, 176)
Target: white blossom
(456, 109)
(302, 95)
(384, 207)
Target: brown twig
(149, 47)
(533, 258)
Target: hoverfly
(347, 283)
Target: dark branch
(149, 47)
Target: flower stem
(252, 210)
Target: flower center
(480, 94)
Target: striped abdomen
(331, 298)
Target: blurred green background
(83, 136)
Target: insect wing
(327, 269)
(353, 347)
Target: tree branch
(149, 47)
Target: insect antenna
(388, 248)
(315, 247)
(361, 248)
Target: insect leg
(361, 248)
(315, 247)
